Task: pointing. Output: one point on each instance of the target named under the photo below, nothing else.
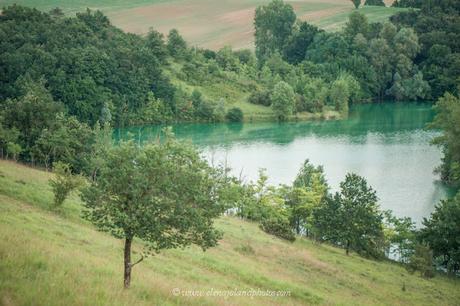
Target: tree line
(398, 60)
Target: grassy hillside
(208, 23)
(54, 258)
(235, 93)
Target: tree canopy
(162, 193)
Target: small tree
(283, 100)
(176, 45)
(361, 227)
(352, 218)
(308, 191)
(400, 234)
(162, 193)
(442, 232)
(234, 114)
(13, 149)
(273, 25)
(357, 23)
(422, 260)
(64, 183)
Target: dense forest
(66, 80)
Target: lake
(386, 143)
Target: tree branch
(140, 259)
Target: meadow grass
(374, 13)
(55, 258)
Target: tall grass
(49, 258)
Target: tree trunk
(127, 274)
(347, 251)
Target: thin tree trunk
(348, 247)
(127, 274)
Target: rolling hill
(208, 23)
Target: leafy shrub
(234, 114)
(260, 97)
(205, 111)
(422, 261)
(64, 183)
(279, 228)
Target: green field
(54, 258)
(208, 23)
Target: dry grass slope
(54, 258)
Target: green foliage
(299, 41)
(374, 2)
(273, 24)
(260, 97)
(448, 119)
(315, 92)
(441, 233)
(234, 114)
(339, 94)
(176, 45)
(64, 183)
(8, 138)
(13, 150)
(352, 218)
(66, 140)
(361, 227)
(135, 194)
(357, 24)
(422, 260)
(439, 48)
(279, 228)
(408, 3)
(227, 59)
(162, 193)
(33, 112)
(308, 191)
(83, 62)
(306, 175)
(401, 236)
(155, 43)
(283, 100)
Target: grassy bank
(54, 258)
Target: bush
(279, 228)
(234, 115)
(422, 261)
(205, 111)
(260, 97)
(64, 183)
